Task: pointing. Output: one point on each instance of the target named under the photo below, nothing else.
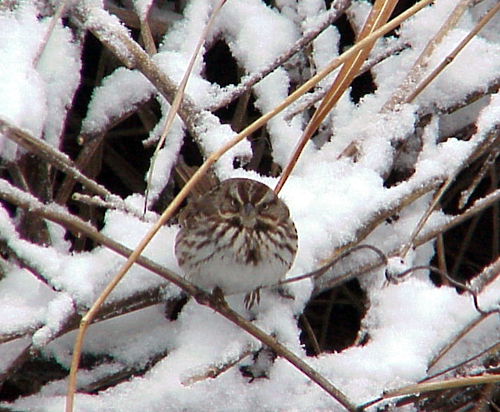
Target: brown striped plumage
(237, 237)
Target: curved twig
(395, 278)
(327, 266)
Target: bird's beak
(247, 209)
(248, 218)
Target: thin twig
(485, 140)
(465, 243)
(317, 273)
(386, 211)
(441, 255)
(449, 345)
(476, 208)
(378, 16)
(480, 282)
(214, 370)
(495, 215)
(91, 142)
(61, 9)
(52, 156)
(143, 61)
(441, 385)
(485, 168)
(96, 201)
(395, 279)
(445, 107)
(310, 333)
(15, 364)
(133, 56)
(146, 34)
(430, 209)
(423, 387)
(401, 94)
(174, 107)
(337, 8)
(308, 100)
(282, 351)
(450, 57)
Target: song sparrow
(237, 237)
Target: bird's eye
(234, 202)
(265, 206)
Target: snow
(331, 199)
(35, 95)
(456, 82)
(142, 7)
(167, 156)
(239, 21)
(20, 306)
(107, 104)
(58, 311)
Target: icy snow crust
(329, 199)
